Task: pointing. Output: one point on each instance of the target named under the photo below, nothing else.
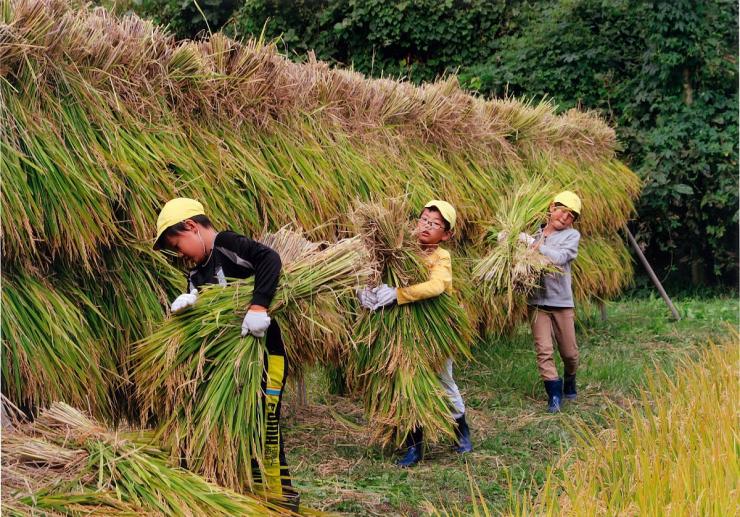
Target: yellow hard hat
(176, 211)
(446, 209)
(569, 200)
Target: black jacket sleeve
(264, 260)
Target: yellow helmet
(569, 200)
(447, 210)
(176, 211)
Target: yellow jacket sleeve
(440, 280)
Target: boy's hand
(526, 238)
(255, 323)
(184, 300)
(385, 295)
(367, 298)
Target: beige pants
(559, 322)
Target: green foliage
(665, 74)
(186, 18)
(420, 40)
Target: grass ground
(515, 440)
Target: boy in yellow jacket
(434, 226)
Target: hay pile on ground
(65, 463)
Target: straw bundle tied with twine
(398, 350)
(65, 463)
(202, 381)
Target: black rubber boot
(554, 395)
(569, 387)
(414, 449)
(463, 436)
(291, 501)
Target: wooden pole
(302, 395)
(602, 310)
(651, 274)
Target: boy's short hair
(180, 227)
(435, 209)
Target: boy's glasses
(434, 225)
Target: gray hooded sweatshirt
(561, 248)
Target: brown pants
(560, 322)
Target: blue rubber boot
(463, 436)
(554, 395)
(569, 387)
(414, 449)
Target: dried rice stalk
(66, 463)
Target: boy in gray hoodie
(551, 307)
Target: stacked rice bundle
(317, 328)
(108, 118)
(65, 463)
(202, 381)
(399, 349)
(614, 264)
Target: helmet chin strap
(205, 253)
(202, 242)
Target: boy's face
(188, 244)
(430, 228)
(560, 217)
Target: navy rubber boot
(414, 449)
(569, 387)
(463, 436)
(554, 395)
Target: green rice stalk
(602, 270)
(672, 452)
(399, 350)
(511, 270)
(49, 350)
(202, 381)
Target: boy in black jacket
(183, 227)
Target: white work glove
(384, 295)
(526, 238)
(184, 300)
(255, 323)
(501, 237)
(367, 298)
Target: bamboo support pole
(651, 274)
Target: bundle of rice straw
(511, 270)
(316, 330)
(399, 349)
(65, 463)
(202, 381)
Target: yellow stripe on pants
(275, 374)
